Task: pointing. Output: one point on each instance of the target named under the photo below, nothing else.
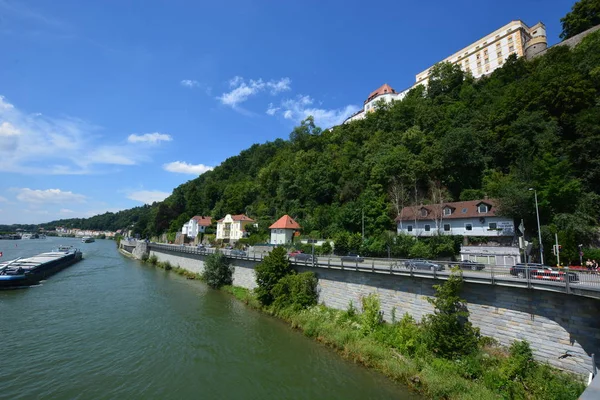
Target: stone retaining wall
(554, 323)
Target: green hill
(529, 124)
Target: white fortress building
(479, 58)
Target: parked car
(472, 265)
(419, 263)
(542, 272)
(295, 253)
(353, 257)
(237, 253)
(305, 257)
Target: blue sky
(109, 104)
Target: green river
(112, 328)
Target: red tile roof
(285, 222)
(384, 89)
(239, 217)
(202, 221)
(460, 209)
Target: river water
(111, 328)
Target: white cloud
(32, 143)
(148, 196)
(272, 110)
(189, 83)
(242, 90)
(302, 106)
(3, 199)
(37, 196)
(7, 129)
(149, 138)
(185, 168)
(66, 211)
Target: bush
(371, 315)
(217, 270)
(520, 361)
(268, 273)
(153, 260)
(295, 290)
(325, 248)
(448, 332)
(145, 257)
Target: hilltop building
(282, 231)
(489, 53)
(196, 225)
(462, 218)
(479, 58)
(233, 227)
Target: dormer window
(482, 208)
(447, 211)
(423, 212)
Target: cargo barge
(29, 271)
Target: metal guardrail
(576, 282)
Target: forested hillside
(531, 124)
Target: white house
(462, 218)
(384, 93)
(491, 255)
(233, 227)
(282, 231)
(196, 225)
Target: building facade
(479, 58)
(384, 93)
(282, 231)
(463, 218)
(233, 227)
(196, 225)
(489, 53)
(491, 255)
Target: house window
(423, 212)
(447, 211)
(469, 227)
(499, 54)
(483, 208)
(510, 39)
(511, 48)
(446, 227)
(409, 228)
(492, 225)
(487, 60)
(427, 228)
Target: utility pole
(363, 224)
(557, 250)
(537, 212)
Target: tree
(275, 266)
(217, 270)
(584, 15)
(449, 333)
(295, 290)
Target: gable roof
(285, 222)
(460, 209)
(239, 217)
(383, 89)
(202, 220)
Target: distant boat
(87, 239)
(31, 236)
(24, 272)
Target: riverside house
(462, 218)
(233, 227)
(196, 225)
(282, 231)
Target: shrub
(325, 248)
(371, 315)
(217, 270)
(520, 361)
(268, 273)
(153, 260)
(145, 257)
(448, 332)
(295, 290)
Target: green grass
(479, 376)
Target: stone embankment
(564, 330)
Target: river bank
(397, 351)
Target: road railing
(579, 282)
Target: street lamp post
(537, 212)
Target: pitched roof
(239, 217)
(460, 209)
(285, 222)
(202, 221)
(384, 89)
